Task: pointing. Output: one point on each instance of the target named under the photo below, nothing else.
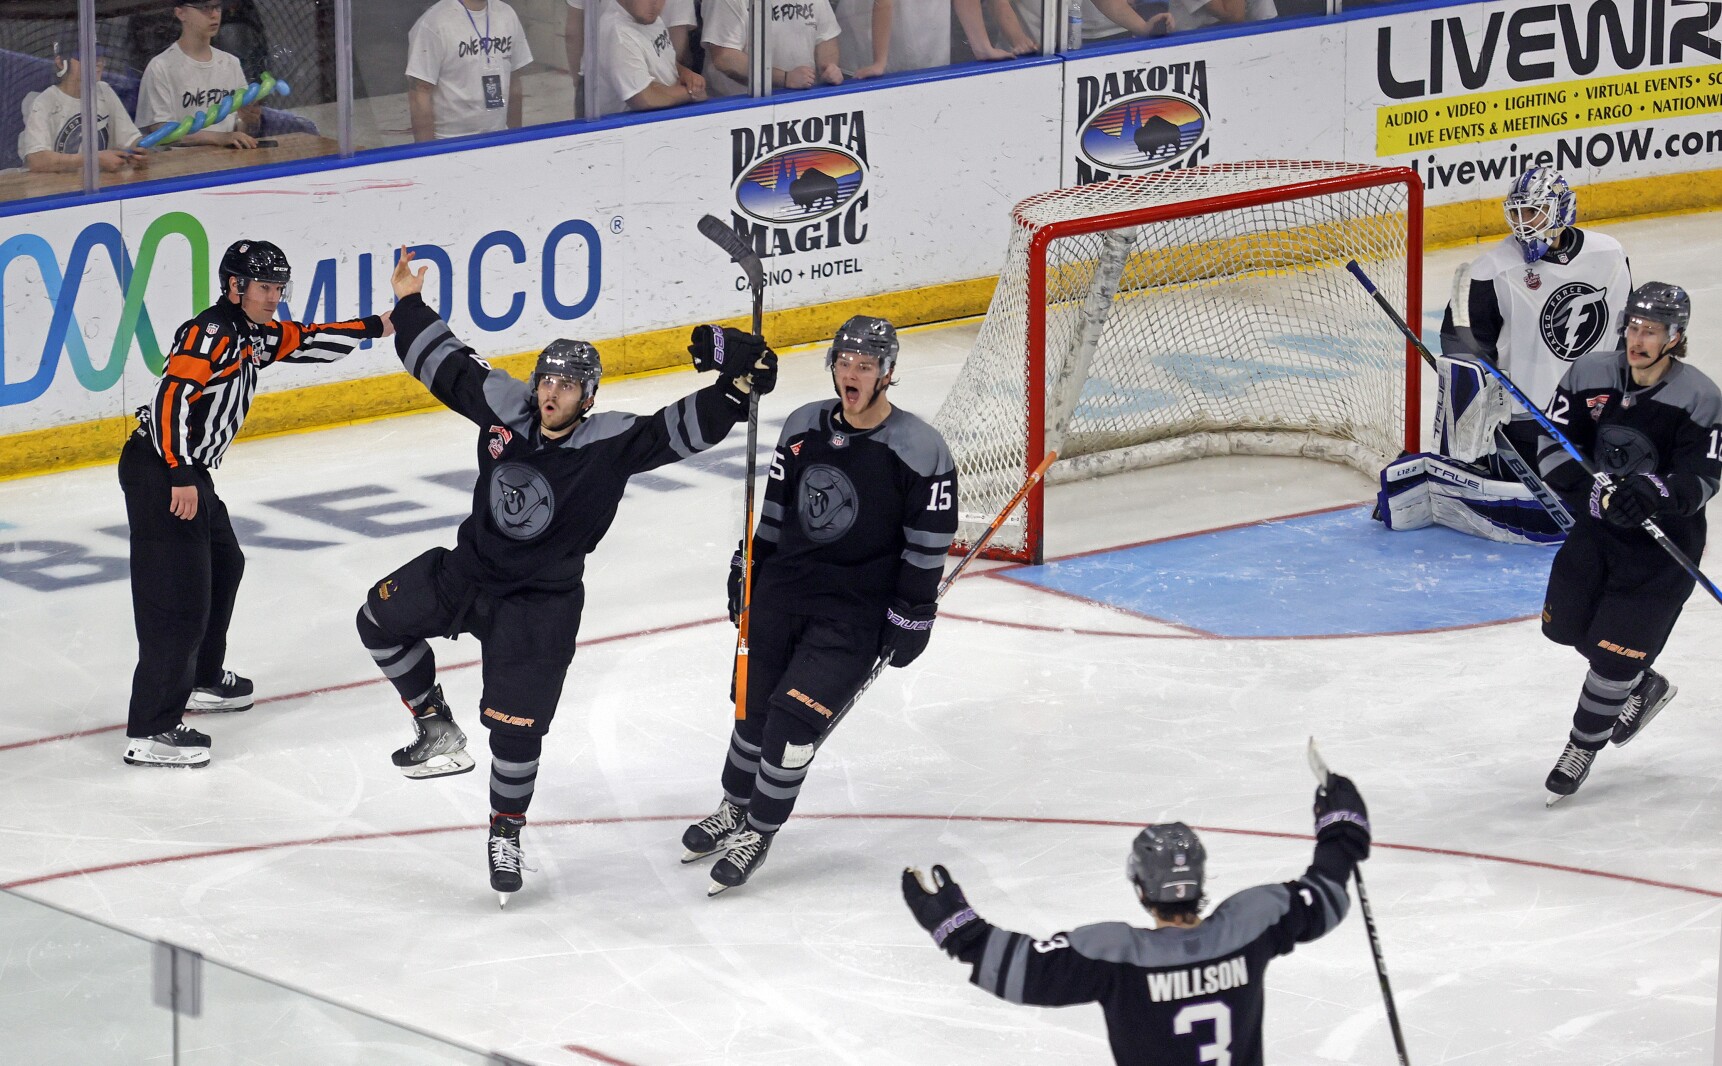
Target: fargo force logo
(801, 184)
(1142, 119)
(1574, 318)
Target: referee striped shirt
(211, 377)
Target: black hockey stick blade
(736, 248)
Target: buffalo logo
(1146, 132)
(828, 503)
(1574, 318)
(800, 184)
(521, 503)
(386, 589)
(1533, 280)
(1622, 450)
(499, 439)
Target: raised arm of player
(452, 371)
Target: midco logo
(801, 184)
(570, 258)
(1145, 118)
(1629, 34)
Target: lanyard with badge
(492, 82)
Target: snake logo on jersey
(828, 504)
(1622, 449)
(1574, 319)
(521, 503)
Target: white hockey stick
(1319, 767)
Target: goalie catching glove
(744, 359)
(906, 632)
(941, 909)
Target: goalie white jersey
(1534, 319)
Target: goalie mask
(1539, 208)
(1166, 864)
(574, 360)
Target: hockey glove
(906, 632)
(743, 358)
(941, 909)
(1633, 499)
(736, 564)
(1341, 816)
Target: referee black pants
(185, 576)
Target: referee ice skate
(859, 512)
(1188, 991)
(185, 562)
(550, 477)
(1653, 422)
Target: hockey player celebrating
(550, 477)
(1546, 295)
(1188, 990)
(186, 562)
(859, 511)
(1652, 422)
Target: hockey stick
(1503, 446)
(969, 556)
(745, 257)
(1603, 480)
(1319, 767)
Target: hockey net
(1188, 313)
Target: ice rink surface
(1022, 750)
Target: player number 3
(1219, 1051)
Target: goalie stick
(1503, 447)
(743, 256)
(1319, 766)
(1603, 480)
(969, 556)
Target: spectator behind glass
(462, 58)
(1195, 14)
(192, 75)
(1106, 20)
(890, 36)
(53, 137)
(801, 45)
(636, 61)
(678, 15)
(1014, 39)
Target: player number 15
(941, 500)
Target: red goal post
(1187, 313)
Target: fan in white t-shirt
(1195, 14)
(1108, 20)
(53, 137)
(891, 36)
(677, 15)
(462, 60)
(192, 75)
(1014, 37)
(635, 63)
(801, 45)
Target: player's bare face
(861, 388)
(1645, 342)
(260, 299)
(200, 21)
(561, 401)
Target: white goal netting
(1207, 311)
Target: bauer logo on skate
(1141, 119)
(800, 185)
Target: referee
(185, 561)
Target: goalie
(1547, 294)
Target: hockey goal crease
(1207, 311)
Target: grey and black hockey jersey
(1672, 429)
(1533, 319)
(1172, 996)
(854, 518)
(540, 506)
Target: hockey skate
(439, 749)
(711, 834)
(1569, 773)
(506, 859)
(179, 746)
(1649, 696)
(744, 853)
(231, 693)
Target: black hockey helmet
(255, 261)
(868, 336)
(575, 360)
(1658, 301)
(1166, 864)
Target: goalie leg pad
(1470, 405)
(1423, 489)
